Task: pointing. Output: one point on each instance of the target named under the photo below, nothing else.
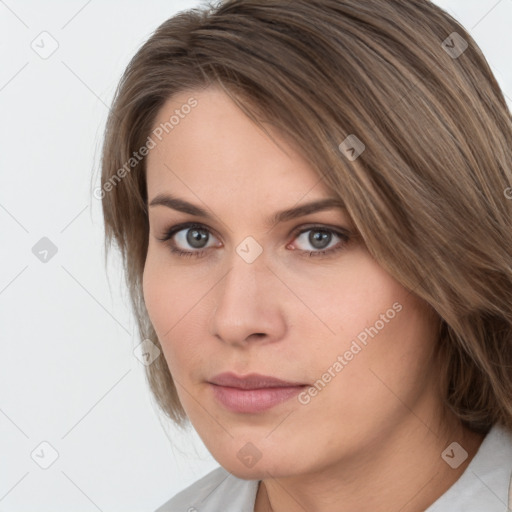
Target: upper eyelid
(337, 230)
(183, 226)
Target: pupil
(195, 237)
(319, 239)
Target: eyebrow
(181, 205)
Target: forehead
(214, 148)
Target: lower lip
(253, 400)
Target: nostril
(258, 334)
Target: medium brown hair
(426, 194)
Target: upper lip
(251, 381)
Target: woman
(312, 202)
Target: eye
(323, 240)
(192, 239)
(183, 237)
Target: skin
(372, 439)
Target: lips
(251, 381)
(252, 393)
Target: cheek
(377, 384)
(392, 368)
(157, 295)
(396, 336)
(162, 300)
(384, 339)
(172, 300)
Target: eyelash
(170, 232)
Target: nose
(247, 305)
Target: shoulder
(217, 490)
(486, 484)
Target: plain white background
(68, 374)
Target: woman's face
(293, 300)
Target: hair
(428, 194)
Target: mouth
(252, 393)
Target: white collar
(486, 483)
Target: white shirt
(485, 485)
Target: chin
(265, 467)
